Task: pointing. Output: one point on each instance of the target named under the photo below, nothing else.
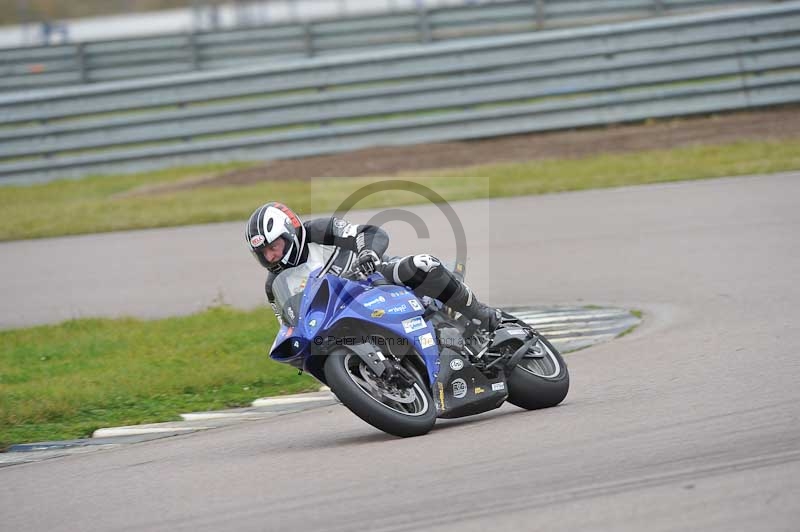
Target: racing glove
(367, 261)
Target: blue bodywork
(327, 301)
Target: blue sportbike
(400, 362)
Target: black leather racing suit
(424, 274)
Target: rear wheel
(540, 380)
(392, 406)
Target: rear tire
(539, 383)
(374, 400)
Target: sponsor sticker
(312, 323)
(338, 222)
(479, 390)
(413, 324)
(379, 299)
(415, 304)
(497, 386)
(257, 240)
(459, 388)
(398, 293)
(516, 332)
(426, 340)
(456, 364)
(397, 309)
(377, 313)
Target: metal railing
(101, 61)
(481, 88)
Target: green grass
(629, 330)
(100, 204)
(64, 381)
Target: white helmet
(269, 222)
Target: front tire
(399, 411)
(539, 382)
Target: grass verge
(64, 381)
(100, 204)
(629, 330)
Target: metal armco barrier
(480, 88)
(91, 62)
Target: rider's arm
(339, 232)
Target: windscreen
(289, 285)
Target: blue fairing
(329, 299)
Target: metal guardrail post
(423, 25)
(539, 13)
(80, 58)
(743, 78)
(308, 39)
(194, 55)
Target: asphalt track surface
(690, 423)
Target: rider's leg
(426, 276)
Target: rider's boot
(462, 300)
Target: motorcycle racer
(278, 239)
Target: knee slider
(426, 263)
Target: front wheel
(390, 406)
(540, 380)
